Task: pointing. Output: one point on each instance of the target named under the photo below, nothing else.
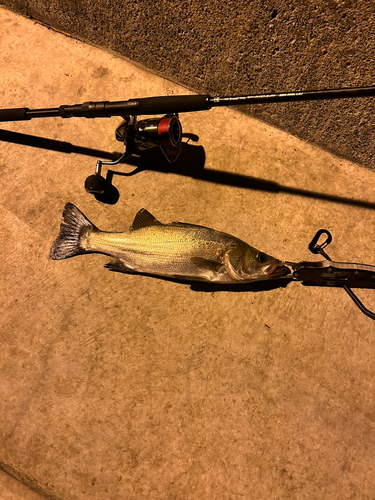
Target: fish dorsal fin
(144, 219)
(187, 225)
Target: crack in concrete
(28, 481)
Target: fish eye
(262, 257)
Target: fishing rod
(163, 132)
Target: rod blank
(308, 95)
(176, 104)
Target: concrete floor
(116, 386)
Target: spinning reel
(164, 133)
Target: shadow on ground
(190, 163)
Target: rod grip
(14, 114)
(173, 104)
(158, 105)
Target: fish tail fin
(74, 226)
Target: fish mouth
(277, 270)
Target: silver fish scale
(164, 249)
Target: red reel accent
(170, 132)
(163, 132)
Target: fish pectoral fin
(119, 267)
(206, 264)
(144, 219)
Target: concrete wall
(237, 47)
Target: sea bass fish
(176, 250)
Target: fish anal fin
(144, 219)
(119, 267)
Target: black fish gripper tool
(317, 248)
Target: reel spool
(164, 133)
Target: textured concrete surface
(236, 48)
(115, 386)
